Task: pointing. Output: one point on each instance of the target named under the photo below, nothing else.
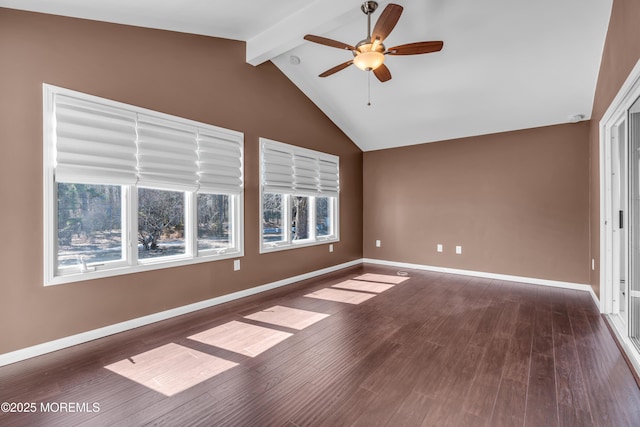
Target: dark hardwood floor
(434, 350)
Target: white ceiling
(505, 65)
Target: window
(215, 228)
(300, 218)
(272, 218)
(324, 216)
(161, 223)
(129, 189)
(89, 224)
(300, 194)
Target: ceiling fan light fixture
(368, 61)
(368, 56)
(369, 53)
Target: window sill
(283, 246)
(145, 265)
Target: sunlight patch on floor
(171, 368)
(359, 285)
(243, 338)
(337, 295)
(384, 278)
(288, 317)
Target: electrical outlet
(458, 250)
(378, 243)
(439, 248)
(331, 247)
(236, 264)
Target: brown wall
(200, 78)
(621, 52)
(516, 202)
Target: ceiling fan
(368, 54)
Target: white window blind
(219, 163)
(97, 141)
(288, 169)
(94, 144)
(167, 154)
(277, 169)
(329, 177)
(306, 174)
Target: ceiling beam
(318, 17)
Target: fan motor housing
(368, 56)
(369, 7)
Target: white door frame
(618, 177)
(627, 95)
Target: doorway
(620, 214)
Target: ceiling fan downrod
(368, 8)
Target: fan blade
(415, 48)
(387, 21)
(382, 73)
(335, 69)
(328, 42)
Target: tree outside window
(213, 221)
(160, 223)
(89, 223)
(300, 218)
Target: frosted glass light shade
(368, 60)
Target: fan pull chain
(369, 89)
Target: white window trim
(287, 243)
(130, 263)
(313, 240)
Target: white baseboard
(627, 346)
(595, 299)
(48, 347)
(531, 280)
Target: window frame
(235, 215)
(53, 275)
(188, 236)
(68, 270)
(313, 239)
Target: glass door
(619, 178)
(620, 216)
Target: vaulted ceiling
(505, 65)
